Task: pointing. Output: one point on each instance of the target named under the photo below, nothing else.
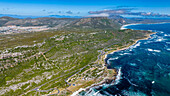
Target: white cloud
(98, 15)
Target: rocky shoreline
(110, 80)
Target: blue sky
(78, 7)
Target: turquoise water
(145, 66)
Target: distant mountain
(63, 16)
(146, 20)
(29, 16)
(94, 23)
(118, 18)
(19, 16)
(111, 22)
(5, 19)
(73, 23)
(48, 21)
(128, 20)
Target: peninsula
(64, 59)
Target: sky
(79, 7)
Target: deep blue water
(145, 66)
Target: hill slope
(94, 23)
(51, 22)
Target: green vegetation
(64, 53)
(13, 40)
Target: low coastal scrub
(63, 55)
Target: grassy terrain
(13, 40)
(58, 58)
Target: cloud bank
(127, 11)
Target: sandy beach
(124, 26)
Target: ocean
(144, 67)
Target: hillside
(51, 22)
(90, 23)
(5, 19)
(94, 23)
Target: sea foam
(153, 50)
